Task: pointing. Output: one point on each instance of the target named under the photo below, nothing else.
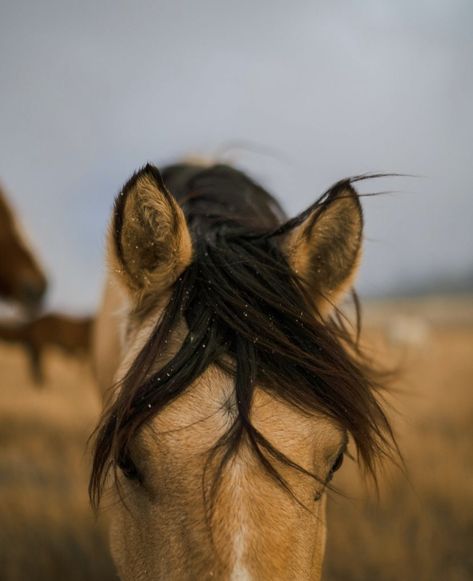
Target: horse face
(21, 278)
(163, 525)
(168, 520)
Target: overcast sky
(91, 90)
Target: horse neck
(6, 218)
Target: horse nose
(32, 293)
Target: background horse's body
(72, 335)
(254, 508)
(21, 278)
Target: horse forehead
(196, 419)
(193, 423)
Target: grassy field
(47, 531)
(420, 528)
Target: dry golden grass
(421, 528)
(47, 531)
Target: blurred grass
(47, 531)
(420, 529)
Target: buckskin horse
(21, 278)
(234, 382)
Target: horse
(231, 381)
(22, 280)
(72, 335)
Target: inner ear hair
(151, 243)
(325, 249)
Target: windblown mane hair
(243, 303)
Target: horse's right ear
(149, 241)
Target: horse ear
(325, 249)
(149, 241)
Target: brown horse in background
(70, 334)
(22, 280)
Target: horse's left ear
(325, 249)
(149, 240)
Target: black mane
(220, 193)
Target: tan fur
(107, 334)
(155, 239)
(161, 530)
(327, 253)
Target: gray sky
(92, 90)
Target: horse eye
(337, 464)
(128, 468)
